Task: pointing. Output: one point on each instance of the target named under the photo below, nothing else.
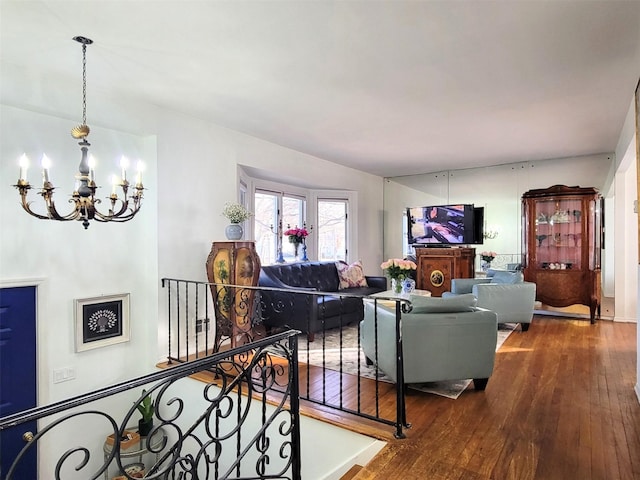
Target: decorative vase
(296, 247)
(234, 231)
(396, 285)
(485, 266)
(408, 285)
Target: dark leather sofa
(313, 301)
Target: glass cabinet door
(559, 234)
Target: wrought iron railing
(345, 382)
(232, 430)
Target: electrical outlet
(64, 374)
(199, 324)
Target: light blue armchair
(503, 292)
(443, 339)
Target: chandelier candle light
(83, 196)
(398, 270)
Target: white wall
(73, 262)
(67, 262)
(499, 189)
(626, 157)
(191, 172)
(208, 168)
(626, 243)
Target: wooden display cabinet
(437, 266)
(562, 238)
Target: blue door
(17, 375)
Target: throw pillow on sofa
(351, 276)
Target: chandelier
(120, 209)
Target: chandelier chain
(84, 84)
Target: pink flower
(488, 256)
(296, 235)
(398, 268)
(297, 232)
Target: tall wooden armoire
(562, 229)
(230, 266)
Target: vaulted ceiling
(388, 87)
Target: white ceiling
(388, 87)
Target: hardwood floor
(560, 405)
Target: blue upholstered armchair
(443, 339)
(503, 292)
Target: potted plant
(146, 409)
(236, 214)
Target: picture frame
(101, 321)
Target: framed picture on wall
(101, 321)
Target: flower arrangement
(398, 269)
(235, 212)
(296, 235)
(488, 256)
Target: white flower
(235, 212)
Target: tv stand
(438, 265)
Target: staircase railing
(233, 429)
(193, 332)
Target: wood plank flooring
(560, 405)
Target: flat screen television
(441, 225)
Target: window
(293, 215)
(325, 214)
(332, 229)
(272, 209)
(265, 221)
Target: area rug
(353, 360)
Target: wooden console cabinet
(562, 234)
(437, 266)
(230, 266)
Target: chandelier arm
(54, 215)
(117, 219)
(119, 216)
(52, 212)
(23, 189)
(27, 208)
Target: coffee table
(402, 296)
(388, 298)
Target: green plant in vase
(146, 409)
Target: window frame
(311, 197)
